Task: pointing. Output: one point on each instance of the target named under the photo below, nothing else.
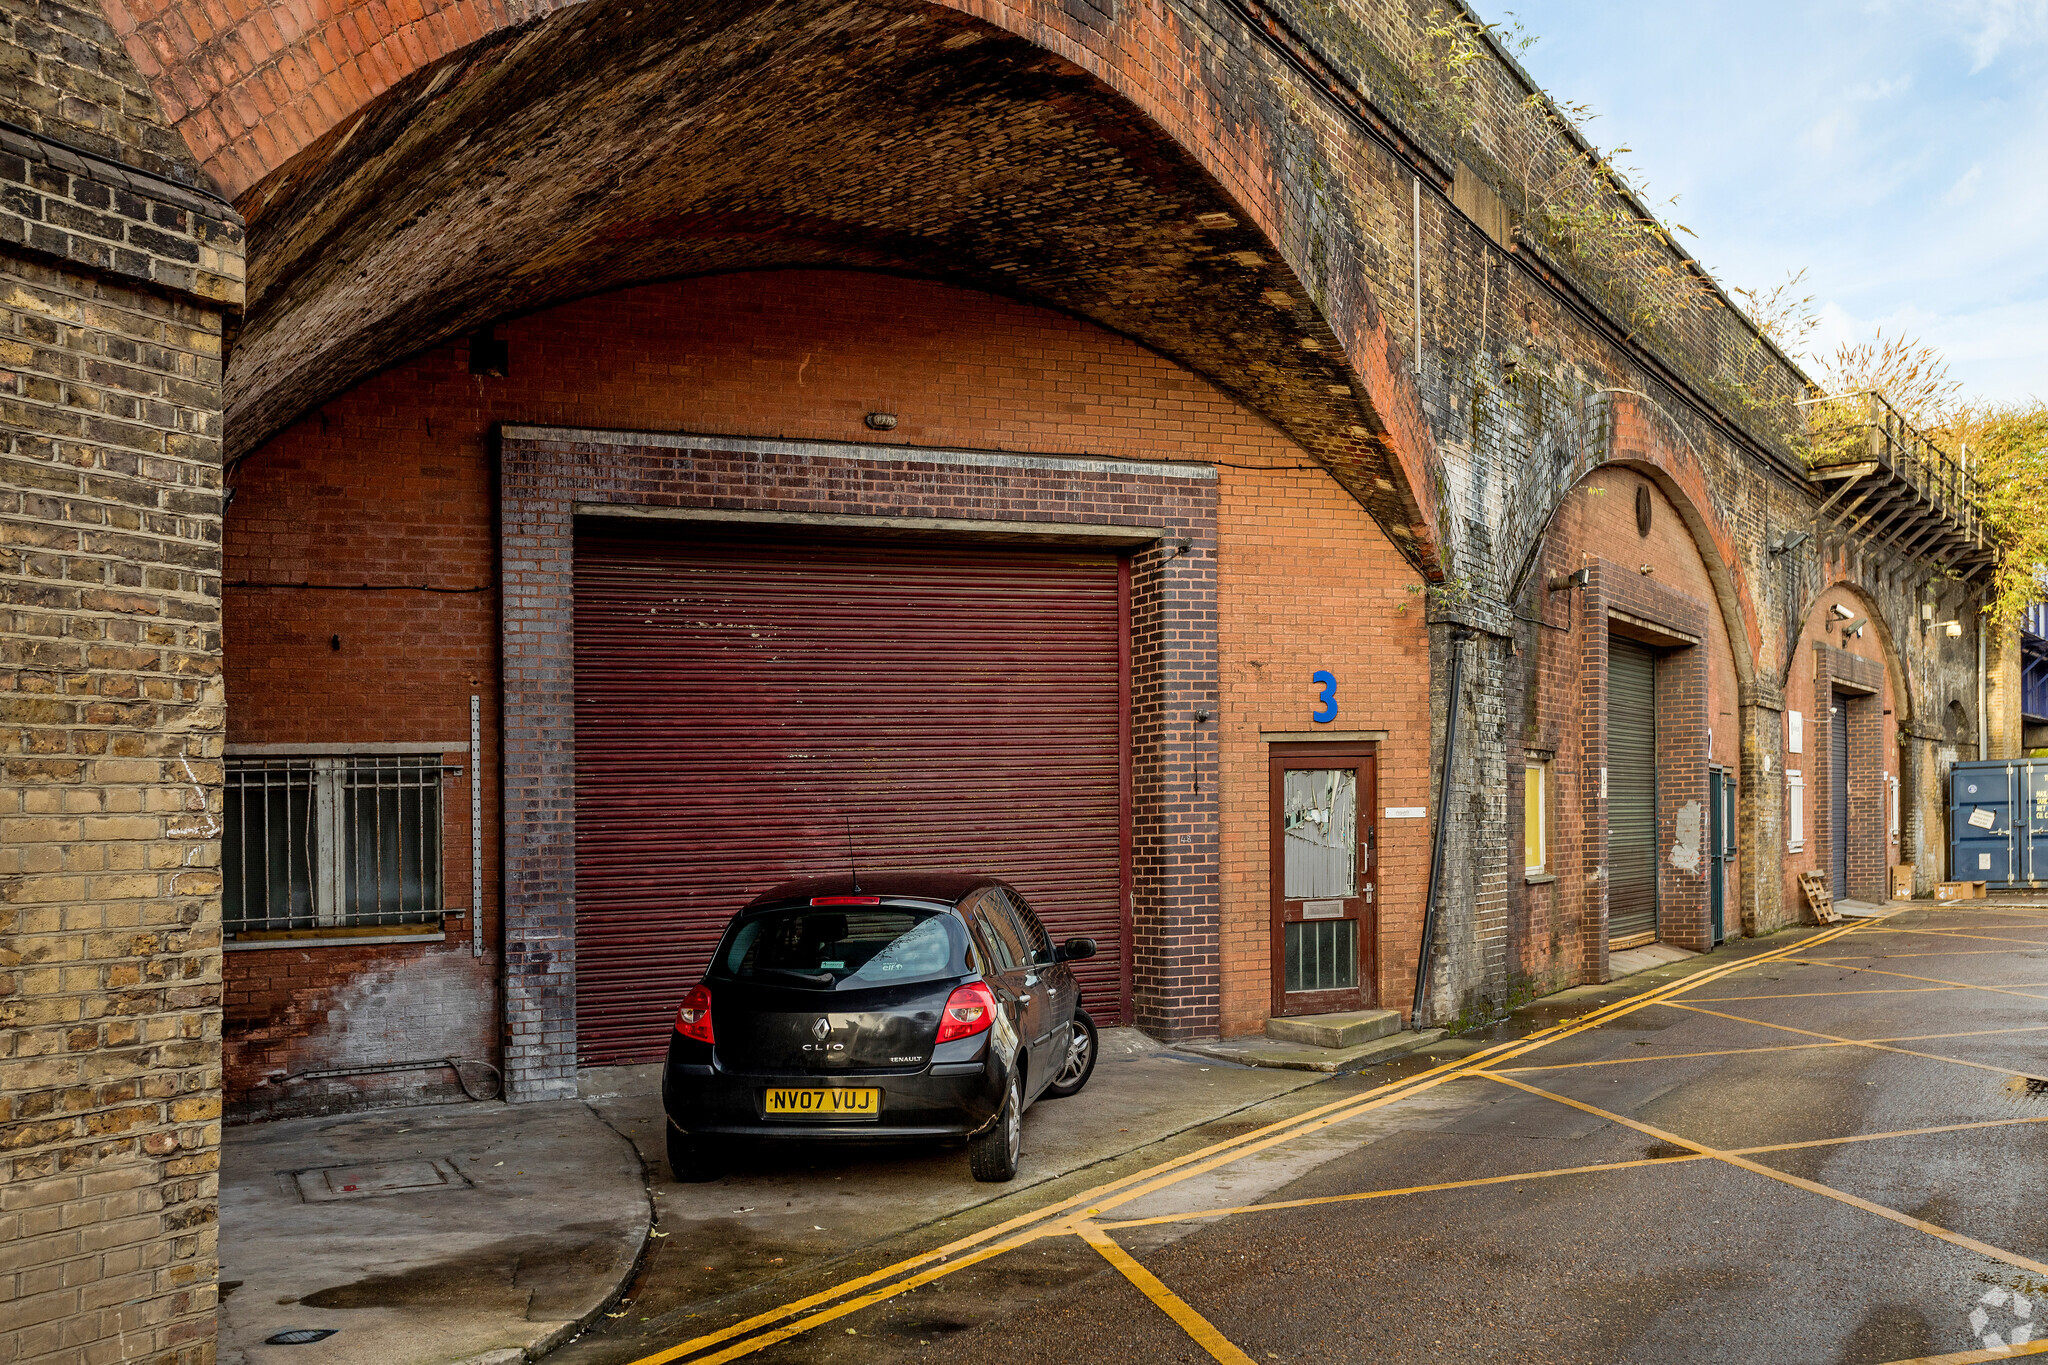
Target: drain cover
(300, 1336)
(329, 1183)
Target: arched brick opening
(1855, 679)
(484, 160)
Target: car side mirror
(1076, 950)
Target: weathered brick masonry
(118, 283)
(1241, 233)
(1292, 211)
(802, 355)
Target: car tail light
(846, 900)
(969, 1010)
(693, 1019)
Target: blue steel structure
(2034, 665)
(1998, 823)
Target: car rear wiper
(820, 979)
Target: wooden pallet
(1815, 884)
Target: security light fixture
(881, 421)
(1952, 629)
(1782, 544)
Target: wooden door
(1323, 878)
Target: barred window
(313, 843)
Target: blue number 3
(1328, 698)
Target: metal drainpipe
(1983, 697)
(1443, 796)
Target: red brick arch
(1645, 440)
(253, 89)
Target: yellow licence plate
(856, 1104)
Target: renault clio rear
(889, 1007)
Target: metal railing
(1889, 440)
(312, 843)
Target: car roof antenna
(850, 865)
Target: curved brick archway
(1641, 438)
(1896, 675)
(411, 171)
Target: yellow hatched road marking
(1362, 1196)
(1194, 1324)
(1812, 995)
(1594, 1169)
(1780, 1047)
(1981, 938)
(2032, 1348)
(2011, 1258)
(970, 1250)
(1888, 954)
(1908, 976)
(1854, 1042)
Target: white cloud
(1896, 149)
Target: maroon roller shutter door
(737, 704)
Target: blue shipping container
(1998, 823)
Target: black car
(879, 1007)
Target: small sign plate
(1322, 909)
(1407, 812)
(1982, 819)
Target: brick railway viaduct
(228, 227)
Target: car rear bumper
(947, 1100)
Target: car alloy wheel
(1080, 1055)
(1082, 1047)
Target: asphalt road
(1820, 1147)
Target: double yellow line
(1071, 1215)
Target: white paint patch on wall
(435, 1006)
(1685, 849)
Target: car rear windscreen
(843, 949)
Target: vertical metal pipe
(1418, 278)
(1416, 1016)
(476, 827)
(1983, 696)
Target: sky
(1897, 151)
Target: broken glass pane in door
(1321, 827)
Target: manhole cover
(300, 1336)
(329, 1183)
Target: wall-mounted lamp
(1952, 629)
(1782, 544)
(881, 421)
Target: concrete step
(1355, 1029)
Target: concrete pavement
(423, 1236)
(494, 1233)
(1818, 1147)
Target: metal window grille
(313, 843)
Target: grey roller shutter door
(1631, 791)
(1838, 795)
